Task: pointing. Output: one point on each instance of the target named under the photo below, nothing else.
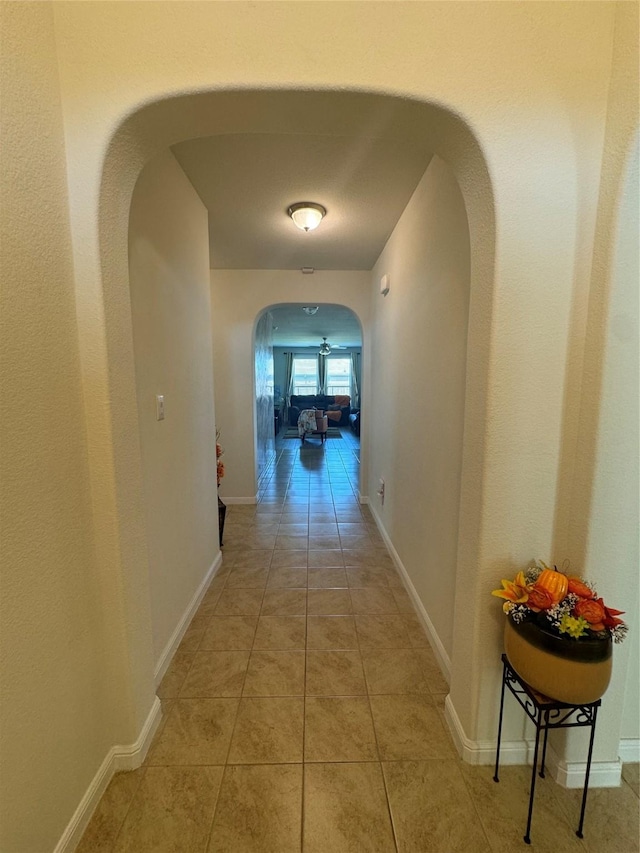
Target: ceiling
(294, 328)
(247, 181)
(360, 156)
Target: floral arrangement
(566, 606)
(219, 462)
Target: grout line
(475, 807)
(224, 773)
(396, 839)
(304, 719)
(384, 780)
(143, 773)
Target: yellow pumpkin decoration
(554, 582)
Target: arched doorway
(291, 363)
(181, 118)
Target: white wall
(238, 297)
(418, 388)
(171, 310)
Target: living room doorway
(316, 363)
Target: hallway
(304, 707)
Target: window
(339, 375)
(305, 375)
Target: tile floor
(304, 707)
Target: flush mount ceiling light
(310, 310)
(306, 215)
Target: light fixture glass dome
(306, 215)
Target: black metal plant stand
(546, 714)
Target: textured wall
(616, 492)
(614, 496)
(263, 377)
(606, 485)
(419, 372)
(56, 723)
(171, 311)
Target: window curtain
(355, 380)
(322, 374)
(288, 381)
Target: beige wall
(57, 707)
(418, 388)
(616, 492)
(238, 298)
(604, 506)
(171, 310)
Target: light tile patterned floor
(304, 707)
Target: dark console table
(546, 714)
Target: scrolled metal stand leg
(527, 835)
(544, 746)
(586, 775)
(504, 681)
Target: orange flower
(540, 598)
(515, 591)
(610, 616)
(579, 587)
(591, 611)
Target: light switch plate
(159, 407)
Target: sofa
(336, 407)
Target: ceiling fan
(326, 347)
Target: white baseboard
(439, 650)
(603, 774)
(131, 756)
(484, 752)
(629, 750)
(363, 499)
(121, 757)
(174, 641)
(250, 500)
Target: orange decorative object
(555, 583)
(579, 587)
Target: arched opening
(164, 123)
(295, 371)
